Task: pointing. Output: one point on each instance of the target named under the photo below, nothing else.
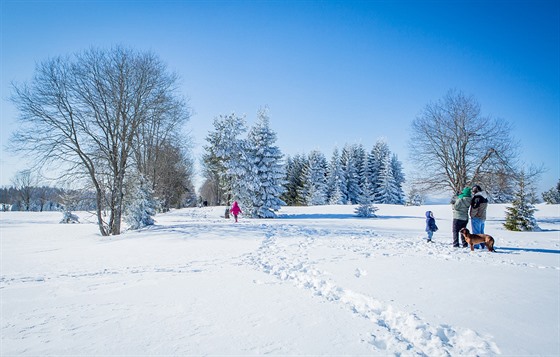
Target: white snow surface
(314, 281)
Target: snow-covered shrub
(414, 197)
(140, 204)
(366, 211)
(520, 217)
(69, 217)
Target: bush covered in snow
(69, 217)
(140, 204)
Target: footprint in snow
(359, 272)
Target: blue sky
(331, 72)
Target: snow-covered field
(315, 281)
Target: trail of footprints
(284, 253)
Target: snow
(314, 281)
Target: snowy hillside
(315, 281)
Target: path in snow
(285, 254)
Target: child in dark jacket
(431, 226)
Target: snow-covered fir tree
(350, 188)
(224, 152)
(360, 161)
(379, 157)
(140, 204)
(552, 196)
(372, 172)
(263, 171)
(398, 176)
(388, 190)
(520, 216)
(334, 180)
(314, 191)
(366, 209)
(294, 180)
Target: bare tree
(173, 174)
(25, 184)
(161, 150)
(454, 145)
(84, 114)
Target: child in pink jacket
(235, 210)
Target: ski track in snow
(393, 331)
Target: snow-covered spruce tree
(388, 190)
(552, 196)
(334, 180)
(520, 216)
(372, 172)
(314, 189)
(350, 176)
(294, 180)
(398, 176)
(360, 161)
(140, 205)
(378, 159)
(223, 156)
(366, 209)
(263, 170)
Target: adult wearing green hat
(461, 215)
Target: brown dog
(473, 239)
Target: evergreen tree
(351, 191)
(378, 160)
(294, 180)
(334, 180)
(372, 173)
(360, 161)
(398, 176)
(520, 216)
(140, 204)
(262, 171)
(223, 156)
(552, 196)
(314, 189)
(388, 190)
(366, 208)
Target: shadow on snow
(533, 250)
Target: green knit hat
(466, 192)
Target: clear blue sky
(331, 72)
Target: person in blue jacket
(431, 226)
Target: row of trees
(352, 176)
(27, 194)
(110, 122)
(251, 170)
